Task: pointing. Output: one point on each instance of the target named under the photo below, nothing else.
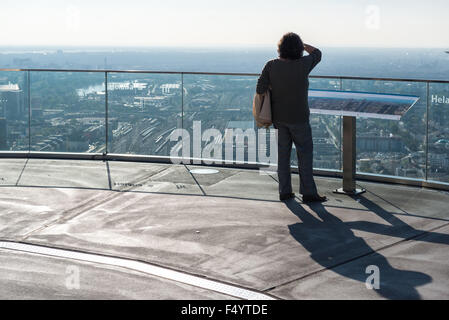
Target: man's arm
(314, 55)
(308, 48)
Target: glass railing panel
(144, 109)
(438, 147)
(67, 111)
(326, 131)
(389, 147)
(215, 104)
(14, 130)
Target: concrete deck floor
(227, 226)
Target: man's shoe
(286, 196)
(315, 198)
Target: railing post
(341, 130)
(182, 100)
(349, 158)
(427, 128)
(29, 109)
(106, 111)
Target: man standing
(288, 79)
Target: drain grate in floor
(147, 268)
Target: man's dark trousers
(301, 135)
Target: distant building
(379, 144)
(439, 160)
(323, 147)
(37, 113)
(12, 101)
(168, 87)
(3, 135)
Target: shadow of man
(395, 227)
(333, 245)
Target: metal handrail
(221, 74)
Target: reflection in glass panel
(388, 147)
(438, 157)
(13, 111)
(144, 109)
(326, 131)
(67, 112)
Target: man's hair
(291, 46)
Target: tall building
(3, 135)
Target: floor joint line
(23, 169)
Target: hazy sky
(374, 23)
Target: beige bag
(262, 109)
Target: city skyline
(144, 109)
